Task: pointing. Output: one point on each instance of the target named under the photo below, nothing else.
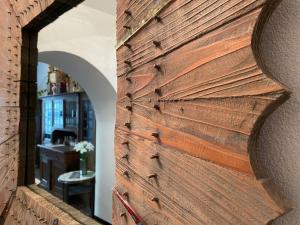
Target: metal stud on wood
(156, 106)
(157, 67)
(157, 91)
(128, 125)
(127, 12)
(125, 194)
(129, 95)
(151, 176)
(158, 18)
(155, 199)
(155, 134)
(156, 44)
(154, 156)
(126, 156)
(127, 62)
(128, 79)
(126, 173)
(127, 45)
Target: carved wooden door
(191, 99)
(192, 95)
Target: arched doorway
(102, 96)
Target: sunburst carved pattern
(191, 93)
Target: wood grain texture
(28, 207)
(192, 95)
(10, 70)
(9, 158)
(196, 18)
(134, 15)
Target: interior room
(73, 52)
(65, 119)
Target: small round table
(76, 184)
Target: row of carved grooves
(173, 33)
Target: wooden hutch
(70, 113)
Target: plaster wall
(279, 144)
(87, 31)
(102, 96)
(42, 76)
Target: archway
(102, 96)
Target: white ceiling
(107, 6)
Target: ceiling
(107, 6)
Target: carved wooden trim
(30, 208)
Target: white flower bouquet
(84, 147)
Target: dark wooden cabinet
(54, 161)
(60, 112)
(70, 111)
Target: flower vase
(83, 164)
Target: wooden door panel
(7, 82)
(196, 19)
(191, 97)
(198, 98)
(10, 118)
(10, 56)
(9, 157)
(143, 12)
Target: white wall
(42, 76)
(279, 145)
(88, 32)
(82, 43)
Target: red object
(129, 209)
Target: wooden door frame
(28, 87)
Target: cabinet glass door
(58, 120)
(47, 105)
(88, 121)
(71, 114)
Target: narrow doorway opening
(66, 137)
(96, 77)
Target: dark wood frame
(28, 90)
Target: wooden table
(76, 184)
(54, 161)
